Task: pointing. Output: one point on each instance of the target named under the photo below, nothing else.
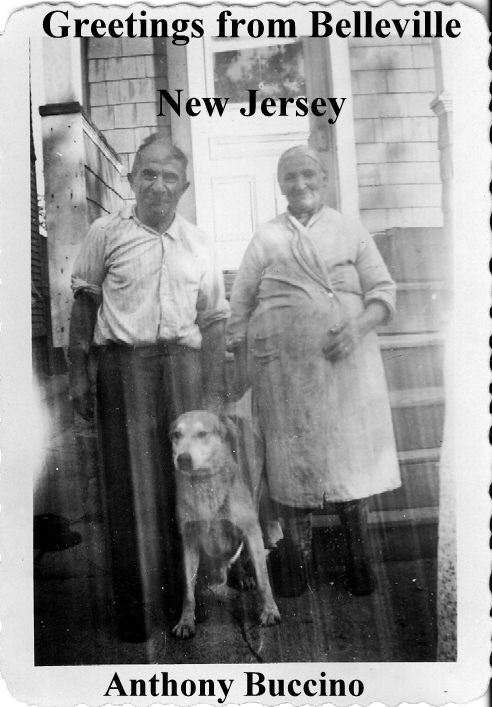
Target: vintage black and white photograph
(248, 393)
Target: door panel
(237, 223)
(235, 157)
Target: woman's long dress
(326, 426)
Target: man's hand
(215, 404)
(84, 312)
(241, 381)
(213, 359)
(82, 395)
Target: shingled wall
(393, 84)
(124, 77)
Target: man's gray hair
(174, 152)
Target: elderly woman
(306, 301)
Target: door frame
(187, 70)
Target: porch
(72, 603)
(73, 624)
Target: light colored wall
(393, 84)
(124, 78)
(102, 175)
(81, 175)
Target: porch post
(178, 69)
(64, 172)
(442, 105)
(328, 74)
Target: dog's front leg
(185, 628)
(270, 614)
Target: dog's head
(200, 446)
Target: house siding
(399, 192)
(393, 84)
(395, 133)
(124, 77)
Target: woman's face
(302, 181)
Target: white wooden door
(235, 157)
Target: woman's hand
(342, 340)
(344, 337)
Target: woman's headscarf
(299, 151)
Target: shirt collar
(129, 212)
(173, 230)
(311, 221)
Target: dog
(215, 510)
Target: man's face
(302, 181)
(158, 184)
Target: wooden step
(393, 535)
(416, 397)
(329, 518)
(411, 254)
(419, 470)
(413, 360)
(415, 253)
(420, 483)
(416, 456)
(403, 370)
(401, 341)
(391, 538)
(418, 417)
(420, 307)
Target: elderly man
(149, 299)
(306, 301)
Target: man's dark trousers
(140, 391)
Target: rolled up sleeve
(89, 269)
(212, 305)
(376, 282)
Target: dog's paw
(240, 580)
(270, 616)
(248, 582)
(184, 629)
(241, 575)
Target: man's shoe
(360, 579)
(132, 629)
(289, 570)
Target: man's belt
(161, 348)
